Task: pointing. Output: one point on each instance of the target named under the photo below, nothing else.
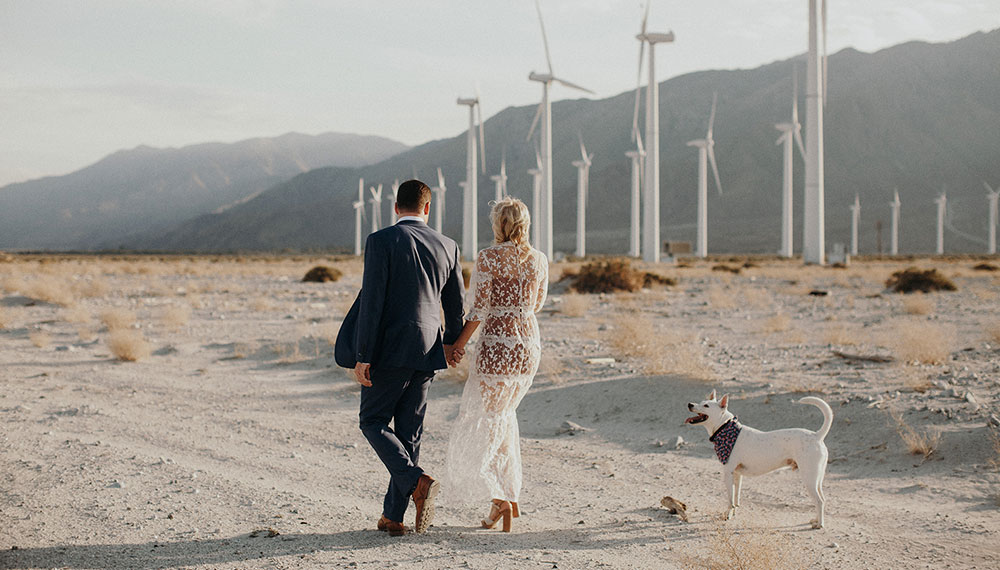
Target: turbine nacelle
(656, 38)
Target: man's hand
(363, 374)
(453, 354)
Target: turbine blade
(545, 39)
(638, 93)
(782, 138)
(534, 122)
(583, 149)
(988, 187)
(573, 85)
(795, 94)
(798, 141)
(538, 156)
(711, 118)
(715, 168)
(482, 136)
(440, 179)
(645, 17)
(639, 147)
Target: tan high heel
(514, 510)
(500, 508)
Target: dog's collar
(724, 438)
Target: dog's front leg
(730, 493)
(738, 483)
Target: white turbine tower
(992, 197)
(894, 237)
(376, 202)
(359, 214)
(789, 131)
(813, 223)
(855, 218)
(395, 189)
(582, 188)
(500, 180)
(537, 173)
(470, 201)
(942, 206)
(440, 189)
(637, 157)
(706, 154)
(651, 180)
(544, 116)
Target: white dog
(744, 450)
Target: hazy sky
(80, 79)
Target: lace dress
(484, 454)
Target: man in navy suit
(411, 274)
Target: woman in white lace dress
(508, 287)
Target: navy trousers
(398, 395)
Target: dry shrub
(262, 305)
(918, 305)
(322, 274)
(986, 267)
(795, 336)
(92, 288)
(839, 333)
(740, 548)
(41, 339)
(613, 276)
(917, 341)
(128, 345)
(50, 289)
(918, 442)
(6, 318)
(552, 367)
(912, 279)
(86, 334)
(778, 323)
(574, 305)
(176, 316)
(635, 336)
(117, 318)
(727, 268)
(756, 297)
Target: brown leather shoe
(392, 527)
(423, 498)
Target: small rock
(971, 398)
(571, 428)
(114, 485)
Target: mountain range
(921, 118)
(148, 189)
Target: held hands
(453, 354)
(363, 374)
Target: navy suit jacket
(412, 273)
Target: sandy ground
(235, 443)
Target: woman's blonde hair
(511, 221)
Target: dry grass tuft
(912, 279)
(76, 315)
(841, 334)
(92, 288)
(917, 341)
(918, 442)
(322, 274)
(128, 345)
(916, 380)
(117, 319)
(6, 318)
(50, 289)
(658, 352)
(733, 548)
(41, 339)
(777, 323)
(993, 332)
(86, 333)
(575, 305)
(262, 304)
(918, 305)
(720, 298)
(176, 316)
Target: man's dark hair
(412, 195)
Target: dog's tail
(827, 414)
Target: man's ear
(724, 402)
(427, 209)
(395, 207)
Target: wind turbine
(395, 189)
(706, 154)
(536, 196)
(894, 238)
(359, 214)
(544, 116)
(792, 130)
(992, 197)
(855, 218)
(637, 157)
(651, 181)
(582, 186)
(942, 205)
(813, 223)
(501, 179)
(440, 189)
(470, 201)
(376, 202)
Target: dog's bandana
(724, 439)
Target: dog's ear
(711, 396)
(724, 402)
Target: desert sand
(232, 440)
